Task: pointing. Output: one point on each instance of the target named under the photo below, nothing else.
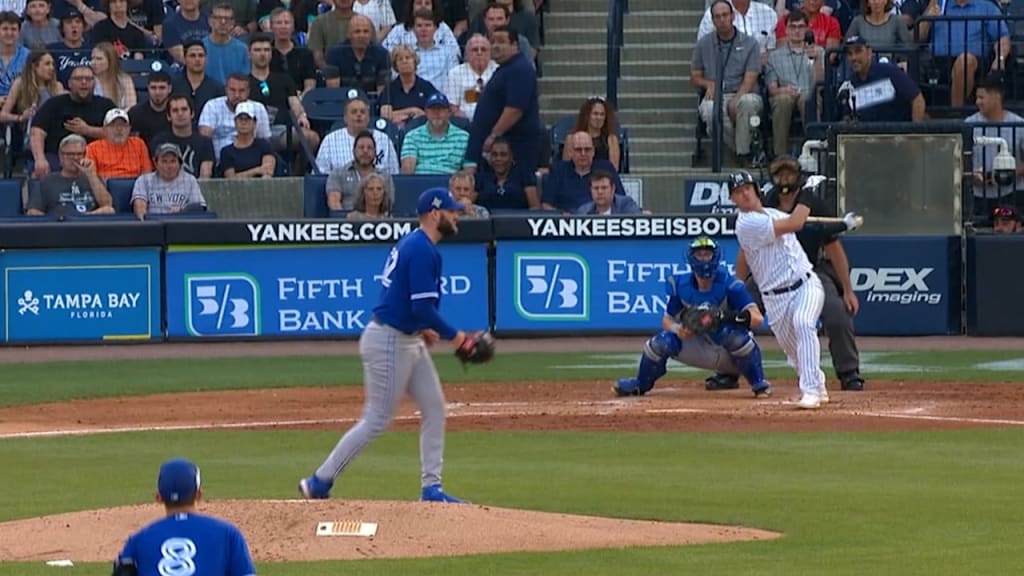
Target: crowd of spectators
(872, 61)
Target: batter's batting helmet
(741, 178)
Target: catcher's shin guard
(746, 355)
(657, 350)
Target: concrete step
(574, 53)
(589, 68)
(661, 131)
(597, 35)
(656, 116)
(557, 22)
(636, 66)
(684, 22)
(662, 100)
(585, 85)
(574, 6)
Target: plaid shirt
(435, 62)
(400, 35)
(125, 161)
(336, 152)
(461, 80)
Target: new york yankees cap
(436, 199)
(178, 481)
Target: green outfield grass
(58, 381)
(877, 504)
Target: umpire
(789, 189)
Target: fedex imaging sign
(707, 196)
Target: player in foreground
(184, 542)
(792, 292)
(394, 350)
(706, 324)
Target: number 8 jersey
(188, 544)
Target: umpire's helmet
(701, 268)
(741, 178)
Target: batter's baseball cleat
(722, 382)
(436, 494)
(809, 402)
(823, 396)
(313, 488)
(763, 391)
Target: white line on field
(467, 414)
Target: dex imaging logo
(552, 286)
(222, 305)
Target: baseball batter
(726, 346)
(184, 543)
(793, 295)
(394, 350)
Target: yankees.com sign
(588, 286)
(303, 292)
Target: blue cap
(436, 199)
(178, 481)
(856, 40)
(437, 99)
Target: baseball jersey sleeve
(424, 291)
(240, 562)
(140, 190)
(674, 305)
(737, 297)
(755, 229)
(195, 194)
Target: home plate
(346, 528)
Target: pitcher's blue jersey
(412, 274)
(726, 292)
(189, 545)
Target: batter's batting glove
(852, 221)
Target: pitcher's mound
(285, 530)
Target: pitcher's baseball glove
(699, 321)
(477, 348)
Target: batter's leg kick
(653, 364)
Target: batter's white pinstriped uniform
(792, 293)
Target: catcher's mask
(783, 164)
(704, 268)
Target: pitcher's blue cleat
(313, 488)
(435, 494)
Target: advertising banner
(907, 285)
(305, 292)
(707, 195)
(588, 285)
(81, 295)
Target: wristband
(676, 327)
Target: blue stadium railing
(617, 10)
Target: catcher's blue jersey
(726, 292)
(189, 545)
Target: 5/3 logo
(177, 557)
(222, 305)
(552, 286)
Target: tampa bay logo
(222, 305)
(552, 286)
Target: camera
(1004, 169)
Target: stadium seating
(314, 196)
(407, 189)
(121, 191)
(10, 198)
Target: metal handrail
(617, 10)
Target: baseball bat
(832, 220)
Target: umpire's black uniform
(836, 319)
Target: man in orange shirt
(119, 155)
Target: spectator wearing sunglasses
(568, 187)
(467, 80)
(279, 94)
(224, 53)
(987, 193)
(1006, 220)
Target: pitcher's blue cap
(436, 199)
(178, 481)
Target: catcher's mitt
(699, 321)
(477, 348)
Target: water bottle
(301, 38)
(323, 8)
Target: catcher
(706, 325)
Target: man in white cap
(184, 541)
(248, 156)
(169, 189)
(118, 154)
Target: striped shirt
(435, 63)
(125, 161)
(336, 152)
(775, 261)
(436, 155)
(463, 81)
(167, 196)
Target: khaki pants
(782, 119)
(736, 132)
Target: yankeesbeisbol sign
(615, 226)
